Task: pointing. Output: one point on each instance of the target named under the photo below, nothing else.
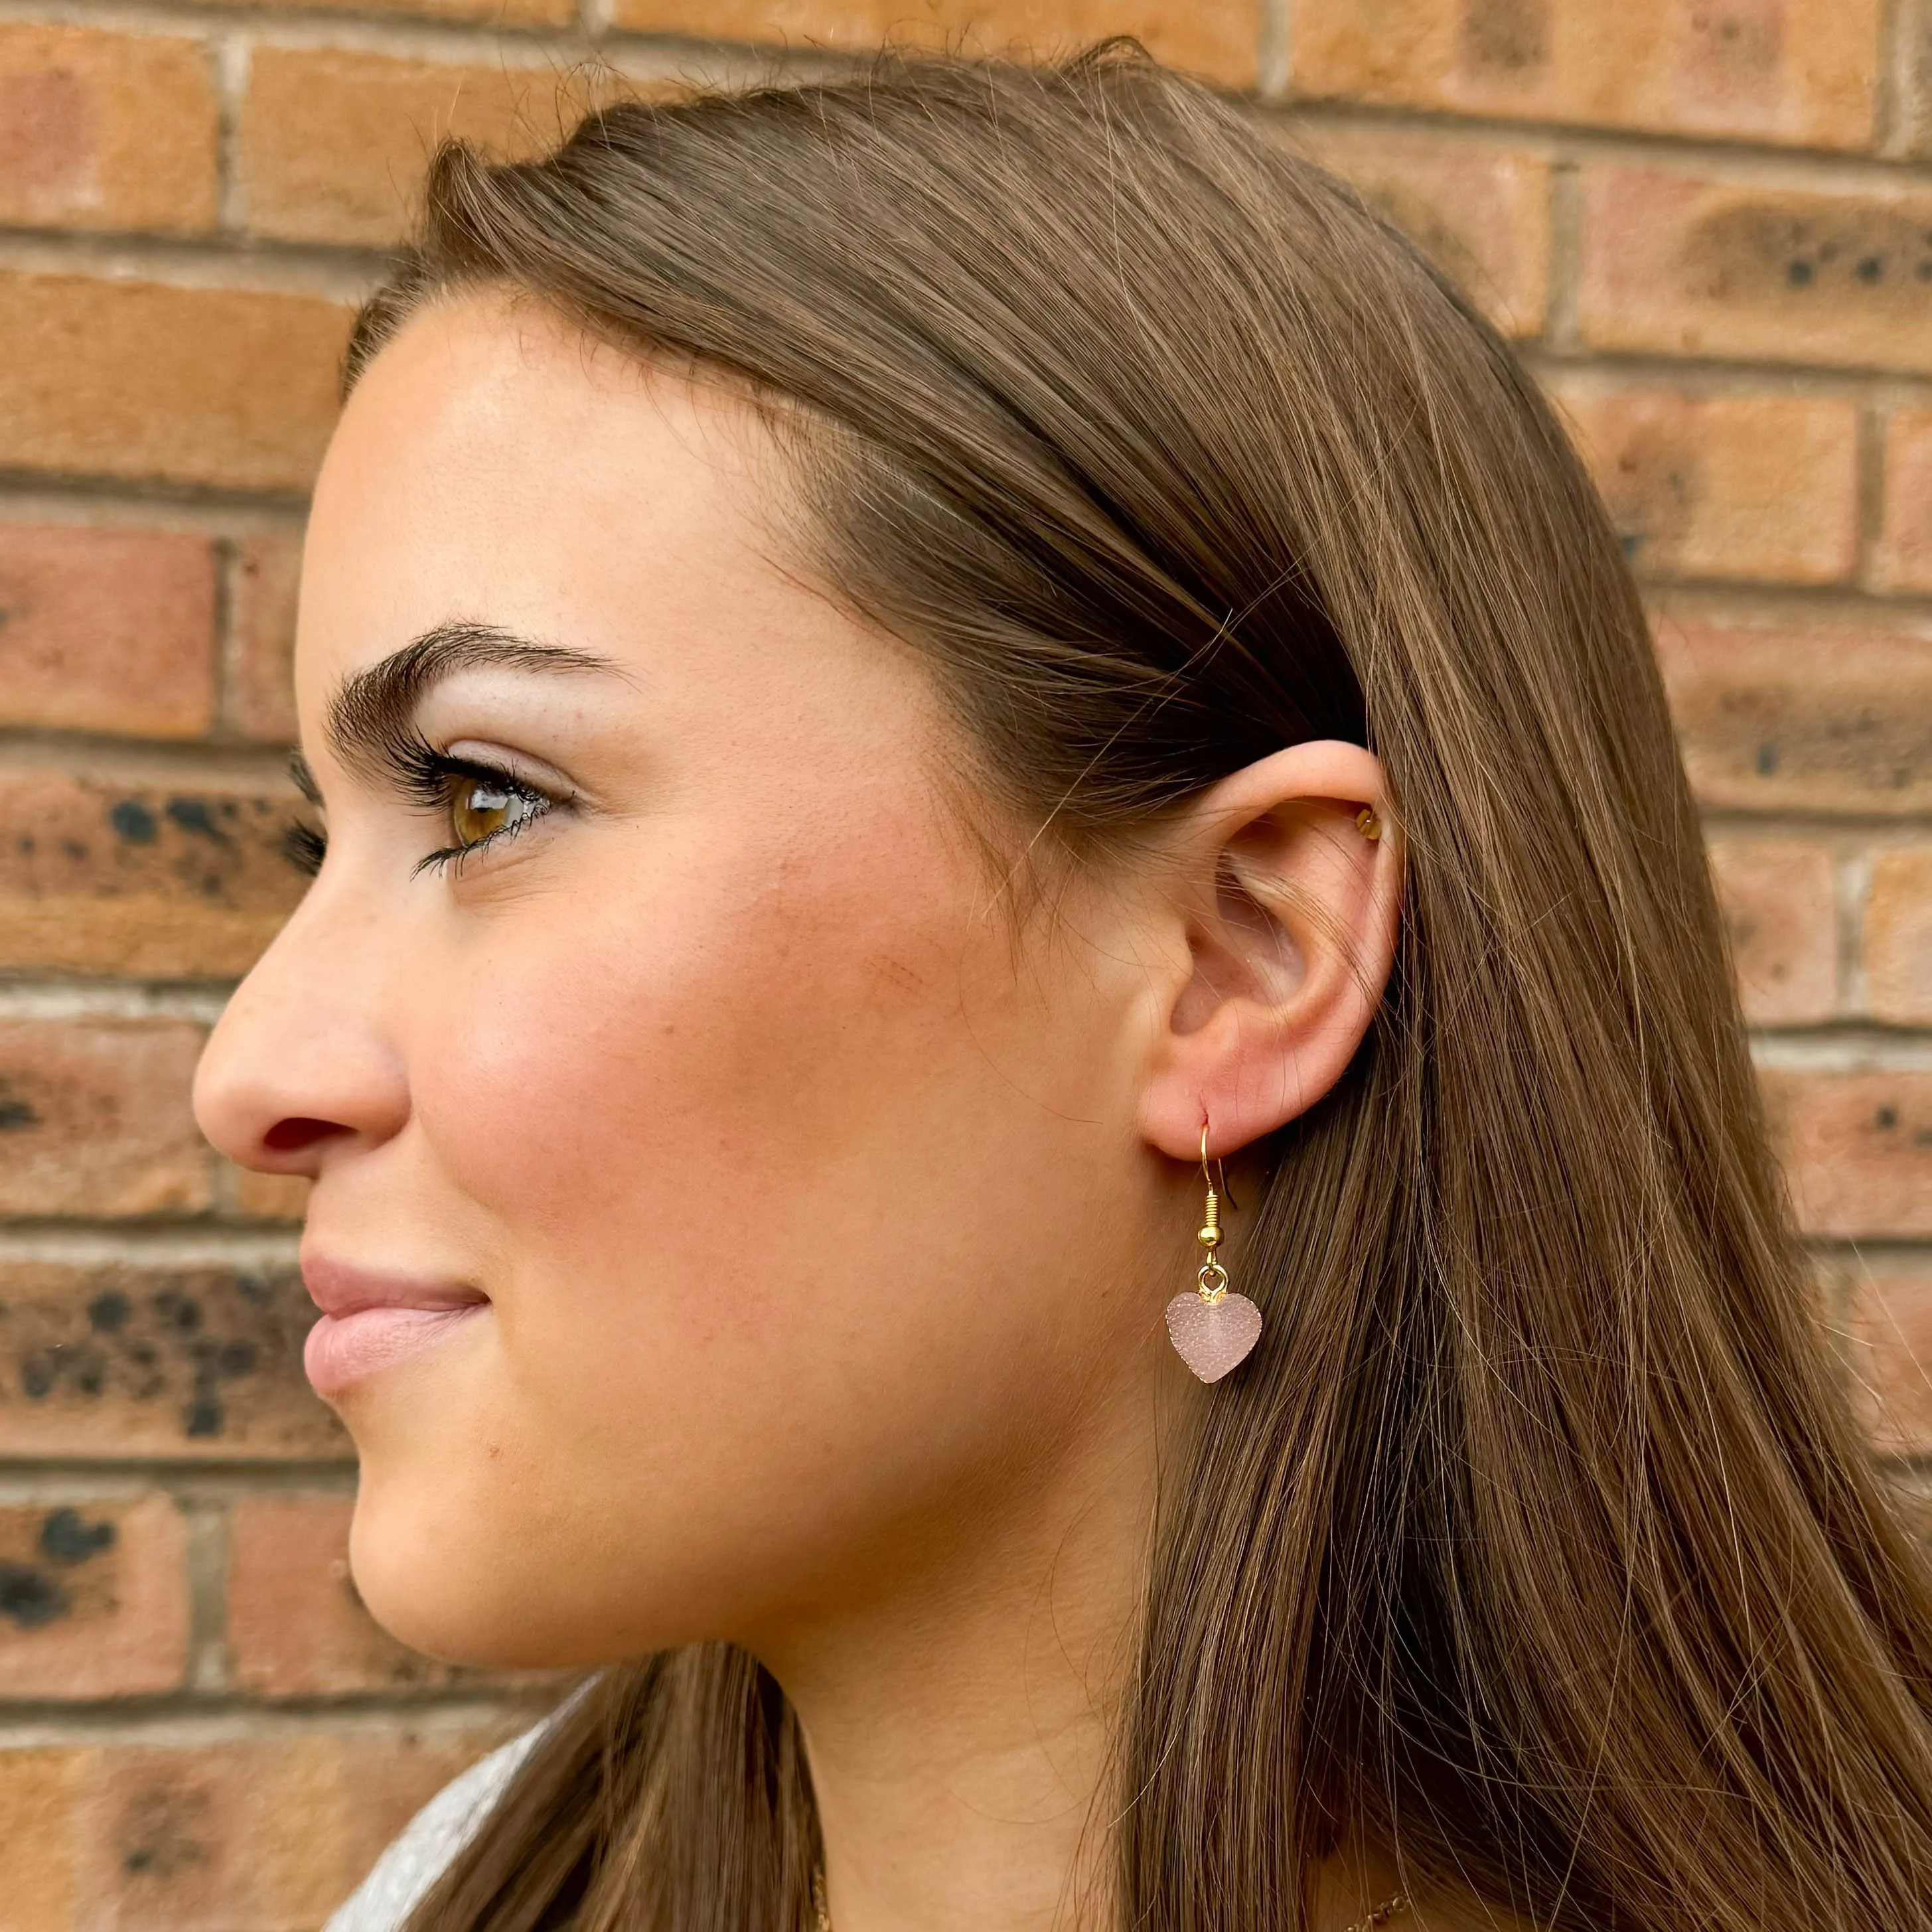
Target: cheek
(760, 1178)
(661, 1057)
(712, 1133)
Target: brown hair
(1532, 1545)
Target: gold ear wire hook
(1214, 1328)
(1214, 1185)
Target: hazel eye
(482, 809)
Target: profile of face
(731, 1197)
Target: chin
(490, 1595)
(436, 1588)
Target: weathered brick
(106, 630)
(1891, 1335)
(334, 142)
(1689, 264)
(37, 1790)
(267, 1833)
(1750, 486)
(96, 876)
(1218, 38)
(94, 1118)
(1904, 558)
(296, 1626)
(1857, 1149)
(261, 701)
(93, 1598)
(106, 130)
(1780, 906)
(1898, 936)
(127, 1361)
(109, 378)
(1798, 71)
(1480, 212)
(1831, 720)
(268, 1197)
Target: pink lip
(370, 1321)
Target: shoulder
(416, 1858)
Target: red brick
(106, 630)
(296, 1626)
(93, 1598)
(1218, 38)
(1904, 559)
(1798, 70)
(265, 1833)
(1857, 1148)
(106, 130)
(1898, 936)
(1890, 1328)
(203, 1362)
(95, 1119)
(1480, 213)
(334, 143)
(267, 1197)
(38, 1789)
(1834, 719)
(1780, 907)
(1687, 264)
(146, 380)
(96, 876)
(261, 670)
(1750, 486)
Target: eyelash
(426, 775)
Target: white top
(413, 1863)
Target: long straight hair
(1533, 1547)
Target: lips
(371, 1321)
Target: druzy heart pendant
(1212, 1331)
(1211, 1337)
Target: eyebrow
(370, 725)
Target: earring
(1211, 1330)
(1367, 823)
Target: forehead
(495, 466)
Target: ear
(1283, 913)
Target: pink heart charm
(1212, 1337)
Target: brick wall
(1708, 222)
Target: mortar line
(1851, 880)
(233, 67)
(209, 1664)
(1870, 498)
(1274, 51)
(1562, 326)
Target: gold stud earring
(1211, 1329)
(1367, 823)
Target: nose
(299, 1070)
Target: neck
(960, 1728)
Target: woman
(979, 748)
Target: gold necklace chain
(1392, 1907)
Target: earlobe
(1289, 896)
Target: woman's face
(781, 1198)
